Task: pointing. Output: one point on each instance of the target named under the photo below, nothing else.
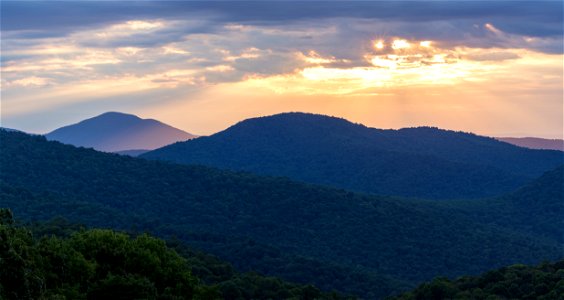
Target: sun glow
(406, 64)
(400, 44)
(379, 45)
(426, 44)
(405, 54)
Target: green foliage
(309, 234)
(104, 264)
(537, 208)
(124, 287)
(545, 281)
(91, 264)
(233, 285)
(19, 276)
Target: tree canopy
(542, 282)
(105, 264)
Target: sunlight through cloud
(400, 44)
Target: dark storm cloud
(533, 18)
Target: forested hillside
(246, 254)
(105, 264)
(542, 282)
(257, 221)
(537, 208)
(417, 162)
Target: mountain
(535, 143)
(133, 152)
(537, 207)
(262, 221)
(113, 131)
(415, 162)
(10, 129)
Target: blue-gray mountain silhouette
(535, 143)
(422, 162)
(114, 131)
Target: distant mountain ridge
(416, 162)
(114, 131)
(133, 152)
(10, 129)
(535, 143)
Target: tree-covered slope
(538, 207)
(543, 201)
(542, 282)
(417, 162)
(403, 239)
(246, 254)
(104, 264)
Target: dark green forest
(537, 208)
(332, 238)
(55, 261)
(62, 260)
(415, 162)
(542, 282)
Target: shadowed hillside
(416, 162)
(56, 261)
(407, 240)
(537, 208)
(514, 282)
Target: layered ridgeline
(114, 132)
(416, 162)
(270, 224)
(535, 143)
(104, 264)
(537, 208)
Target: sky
(489, 67)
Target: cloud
(67, 54)
(492, 56)
(351, 48)
(30, 82)
(532, 18)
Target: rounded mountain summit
(119, 132)
(414, 162)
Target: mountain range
(535, 143)
(114, 132)
(415, 162)
(281, 227)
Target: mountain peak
(416, 162)
(294, 124)
(297, 116)
(116, 114)
(117, 131)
